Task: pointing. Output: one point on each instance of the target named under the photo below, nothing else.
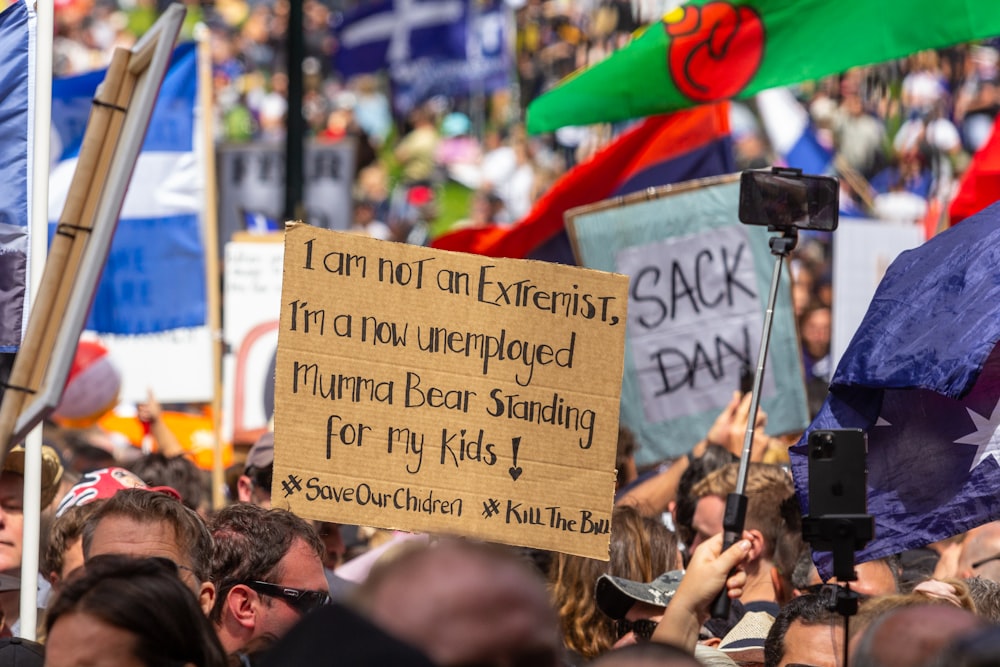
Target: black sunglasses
(300, 600)
(643, 628)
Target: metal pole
(38, 246)
(295, 123)
(734, 517)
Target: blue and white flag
(791, 132)
(922, 377)
(17, 72)
(429, 47)
(153, 287)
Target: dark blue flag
(922, 377)
(429, 47)
(16, 67)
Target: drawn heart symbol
(714, 50)
(515, 472)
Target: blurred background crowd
(901, 132)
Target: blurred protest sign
(697, 295)
(443, 392)
(252, 181)
(252, 302)
(862, 251)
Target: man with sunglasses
(267, 567)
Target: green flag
(709, 50)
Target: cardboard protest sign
(697, 295)
(442, 392)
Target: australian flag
(922, 377)
(429, 47)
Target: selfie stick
(736, 503)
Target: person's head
(464, 603)
(625, 457)
(980, 555)
(789, 551)
(985, 594)
(874, 577)
(144, 523)
(814, 328)
(911, 635)
(805, 632)
(979, 649)
(177, 472)
(12, 500)
(333, 544)
(636, 605)
(64, 549)
(715, 457)
(254, 485)
(267, 568)
(132, 612)
(641, 549)
(647, 654)
(767, 487)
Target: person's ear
(206, 597)
(244, 488)
(242, 605)
(756, 543)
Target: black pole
(295, 123)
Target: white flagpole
(37, 249)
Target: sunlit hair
(641, 550)
(767, 487)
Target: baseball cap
(19, 652)
(615, 596)
(261, 454)
(104, 483)
(52, 470)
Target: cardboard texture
(442, 392)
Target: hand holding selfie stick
(736, 503)
(784, 200)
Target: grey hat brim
(615, 596)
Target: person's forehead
(11, 484)
(817, 644)
(117, 534)
(640, 610)
(301, 567)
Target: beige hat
(52, 470)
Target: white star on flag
(986, 436)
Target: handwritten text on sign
(695, 319)
(443, 392)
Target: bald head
(912, 636)
(980, 544)
(464, 603)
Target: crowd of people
(136, 565)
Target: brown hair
(641, 550)
(249, 543)
(66, 529)
(767, 487)
(144, 506)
